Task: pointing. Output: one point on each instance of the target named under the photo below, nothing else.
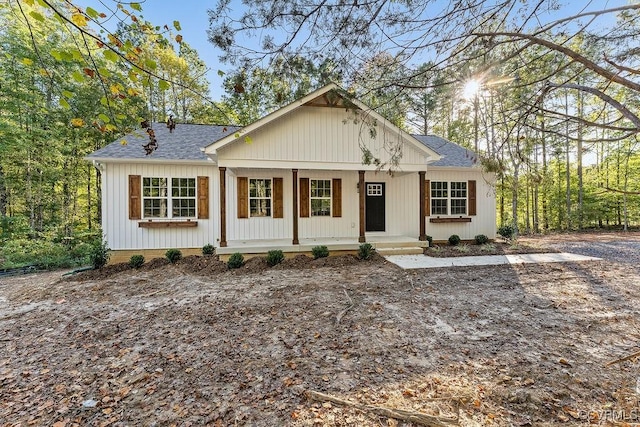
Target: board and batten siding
(483, 222)
(258, 228)
(324, 137)
(401, 205)
(123, 233)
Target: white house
(292, 180)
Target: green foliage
(320, 252)
(365, 251)
(99, 255)
(481, 239)
(236, 260)
(275, 257)
(454, 240)
(430, 240)
(208, 249)
(136, 261)
(506, 231)
(173, 255)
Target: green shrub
(235, 260)
(430, 240)
(275, 257)
(454, 240)
(99, 255)
(173, 255)
(506, 231)
(365, 251)
(320, 252)
(481, 239)
(136, 261)
(208, 249)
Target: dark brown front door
(374, 206)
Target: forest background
(548, 101)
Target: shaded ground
(193, 344)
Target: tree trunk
(568, 171)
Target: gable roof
(453, 155)
(185, 143)
(322, 93)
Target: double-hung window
(459, 198)
(260, 197)
(448, 198)
(320, 197)
(157, 196)
(154, 197)
(439, 198)
(183, 197)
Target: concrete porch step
(405, 250)
(395, 244)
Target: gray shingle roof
(184, 143)
(453, 155)
(187, 140)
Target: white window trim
(270, 198)
(312, 198)
(449, 198)
(168, 198)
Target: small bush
(365, 251)
(506, 231)
(430, 240)
(275, 257)
(136, 261)
(454, 240)
(320, 252)
(235, 260)
(488, 247)
(173, 255)
(99, 255)
(481, 239)
(462, 248)
(208, 249)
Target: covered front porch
(385, 245)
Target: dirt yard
(192, 344)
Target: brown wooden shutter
(427, 197)
(243, 197)
(304, 197)
(278, 210)
(472, 197)
(135, 200)
(337, 197)
(203, 197)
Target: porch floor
(332, 243)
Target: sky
(194, 20)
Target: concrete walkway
(423, 261)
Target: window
(320, 197)
(439, 198)
(458, 198)
(155, 197)
(448, 198)
(260, 197)
(183, 195)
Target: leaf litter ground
(195, 344)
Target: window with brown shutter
(472, 197)
(135, 206)
(304, 197)
(243, 197)
(337, 197)
(203, 197)
(278, 211)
